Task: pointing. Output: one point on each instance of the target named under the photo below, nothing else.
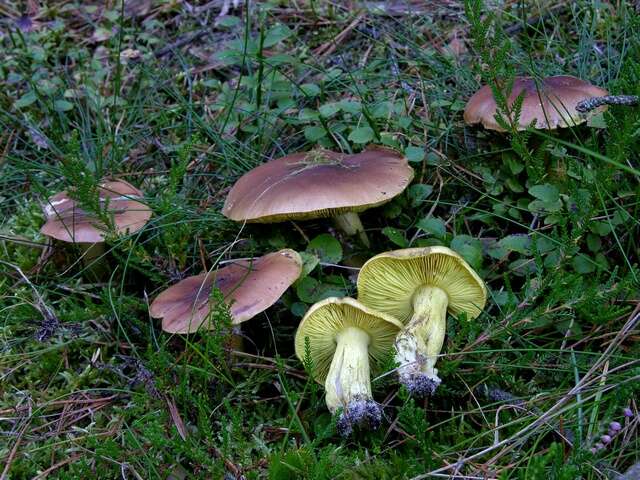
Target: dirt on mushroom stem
(348, 383)
(420, 342)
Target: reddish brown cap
(319, 183)
(249, 287)
(548, 104)
(69, 223)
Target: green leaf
(381, 110)
(517, 243)
(310, 89)
(543, 244)
(597, 121)
(433, 159)
(469, 248)
(361, 135)
(62, 106)
(620, 217)
(513, 162)
(418, 193)
(514, 185)
(433, 225)
(282, 59)
(593, 242)
(539, 206)
(601, 228)
(404, 122)
(326, 247)
(26, 100)
(309, 263)
(414, 154)
(546, 192)
(440, 103)
(307, 114)
(210, 83)
(276, 34)
(329, 109)
(314, 133)
(396, 236)
(583, 264)
(351, 107)
(309, 290)
(228, 21)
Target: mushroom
(418, 286)
(345, 339)
(68, 222)
(319, 183)
(547, 104)
(249, 287)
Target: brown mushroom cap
(548, 104)
(248, 286)
(318, 184)
(68, 222)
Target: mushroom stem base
(350, 224)
(419, 343)
(361, 412)
(93, 259)
(348, 383)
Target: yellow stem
(419, 343)
(351, 225)
(349, 377)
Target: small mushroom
(345, 340)
(249, 287)
(418, 286)
(547, 104)
(318, 184)
(67, 222)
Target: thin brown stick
(53, 468)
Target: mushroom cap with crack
(388, 281)
(547, 104)
(67, 222)
(327, 318)
(317, 184)
(248, 286)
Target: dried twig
(329, 47)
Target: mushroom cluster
(404, 296)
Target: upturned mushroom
(547, 104)
(318, 184)
(68, 222)
(418, 286)
(346, 340)
(248, 286)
